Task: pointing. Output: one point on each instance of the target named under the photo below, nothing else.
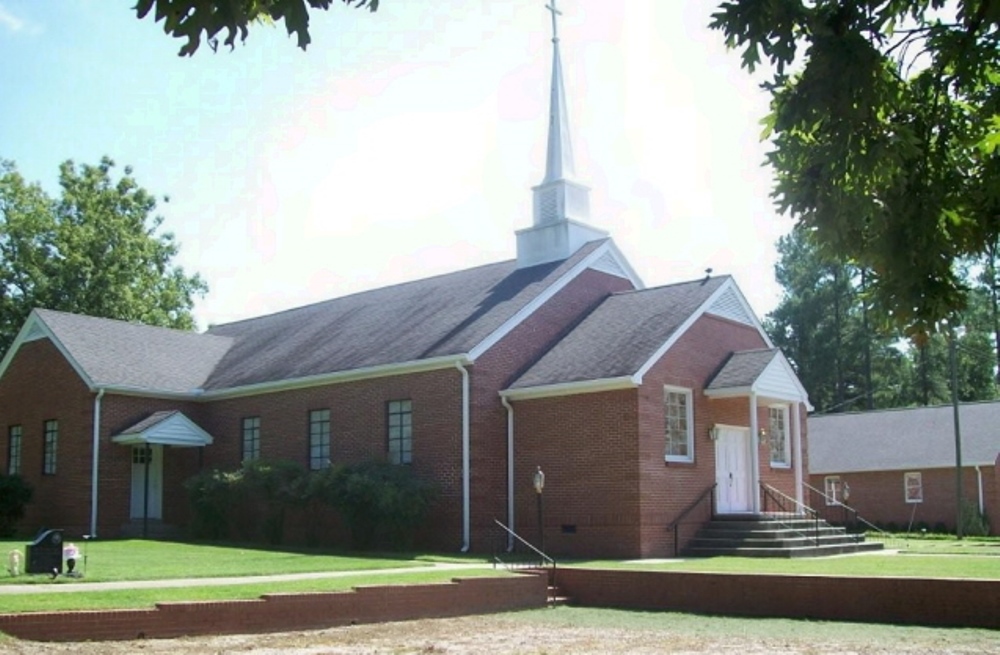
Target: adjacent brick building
(897, 467)
(633, 402)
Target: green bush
(211, 496)
(974, 523)
(15, 494)
(382, 503)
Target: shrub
(210, 493)
(15, 494)
(382, 503)
(974, 523)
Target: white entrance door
(139, 486)
(732, 471)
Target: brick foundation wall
(285, 612)
(879, 498)
(966, 603)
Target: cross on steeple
(555, 23)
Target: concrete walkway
(63, 584)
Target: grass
(136, 559)
(911, 566)
(145, 598)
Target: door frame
(138, 483)
(747, 466)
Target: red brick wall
(358, 433)
(966, 603)
(587, 445)
(38, 386)
(497, 368)
(878, 497)
(285, 612)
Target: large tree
(885, 121)
(197, 19)
(97, 249)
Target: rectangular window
(400, 431)
(913, 487)
(14, 450)
(319, 439)
(777, 435)
(831, 487)
(679, 419)
(251, 438)
(51, 441)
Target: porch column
(797, 451)
(754, 454)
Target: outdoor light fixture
(713, 433)
(538, 482)
(762, 435)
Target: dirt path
(559, 631)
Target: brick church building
(634, 402)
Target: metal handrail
(690, 508)
(778, 496)
(834, 502)
(545, 559)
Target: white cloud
(10, 21)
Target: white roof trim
(549, 292)
(570, 388)
(901, 469)
(728, 285)
(35, 328)
(384, 370)
(738, 392)
(175, 430)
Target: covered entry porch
(149, 441)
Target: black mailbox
(45, 553)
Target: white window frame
(832, 489)
(319, 439)
(688, 419)
(917, 497)
(777, 417)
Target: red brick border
(939, 602)
(281, 612)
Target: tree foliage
(15, 494)
(885, 121)
(95, 250)
(849, 356)
(197, 19)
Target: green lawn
(136, 559)
(140, 598)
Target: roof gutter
(95, 459)
(979, 483)
(510, 472)
(466, 499)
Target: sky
(403, 143)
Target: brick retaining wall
(284, 612)
(939, 602)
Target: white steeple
(559, 202)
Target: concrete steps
(766, 536)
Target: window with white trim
(400, 431)
(251, 438)
(49, 445)
(832, 489)
(913, 487)
(14, 433)
(319, 439)
(777, 435)
(679, 424)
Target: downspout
(797, 452)
(510, 471)
(95, 454)
(754, 455)
(466, 500)
(979, 483)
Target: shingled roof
(435, 317)
(442, 316)
(133, 356)
(743, 368)
(620, 335)
(901, 439)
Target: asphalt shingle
(743, 368)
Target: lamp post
(538, 481)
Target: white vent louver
(608, 264)
(728, 305)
